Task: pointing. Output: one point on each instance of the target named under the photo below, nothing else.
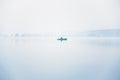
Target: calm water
(48, 59)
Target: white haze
(58, 16)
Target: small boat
(61, 39)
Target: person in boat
(61, 38)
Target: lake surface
(46, 58)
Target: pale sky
(58, 16)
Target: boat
(61, 39)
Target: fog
(58, 16)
